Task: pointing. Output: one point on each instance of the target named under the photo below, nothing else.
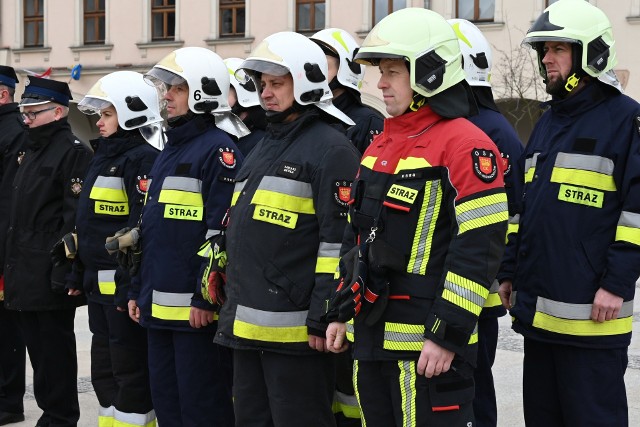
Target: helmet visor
(261, 66)
(529, 41)
(90, 105)
(158, 75)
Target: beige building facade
(109, 35)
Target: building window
(476, 10)
(163, 20)
(382, 8)
(309, 15)
(94, 13)
(548, 3)
(33, 23)
(232, 18)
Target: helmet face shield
(159, 75)
(262, 67)
(90, 105)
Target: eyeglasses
(31, 115)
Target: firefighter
(283, 239)
(45, 195)
(12, 352)
(345, 80)
(115, 187)
(476, 62)
(569, 276)
(190, 190)
(245, 103)
(429, 213)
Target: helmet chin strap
(416, 102)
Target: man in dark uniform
(12, 354)
(45, 195)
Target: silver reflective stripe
(211, 233)
(345, 399)
(494, 287)
(514, 219)
(585, 162)
(171, 299)
(182, 183)
(629, 219)
(239, 186)
(286, 186)
(329, 250)
(271, 318)
(408, 385)
(531, 162)
(113, 182)
(106, 276)
(350, 329)
(575, 311)
(512, 298)
(475, 329)
(423, 253)
(105, 412)
(133, 418)
(395, 336)
(464, 293)
(482, 211)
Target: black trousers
(485, 407)
(572, 386)
(391, 393)
(119, 371)
(12, 362)
(281, 390)
(51, 344)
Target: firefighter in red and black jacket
(429, 214)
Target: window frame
(476, 12)
(96, 15)
(234, 6)
(35, 18)
(389, 11)
(165, 9)
(312, 16)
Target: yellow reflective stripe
(327, 265)
(105, 416)
(402, 336)
(283, 201)
(171, 306)
(170, 313)
(108, 208)
(190, 213)
(107, 282)
(234, 198)
(513, 228)
(628, 228)
(260, 325)
(583, 178)
(275, 216)
(356, 389)
(346, 404)
(582, 327)
(129, 419)
(411, 163)
(179, 197)
(481, 212)
(528, 177)
(350, 330)
(530, 167)
(407, 382)
(464, 293)
(109, 188)
(473, 339)
(493, 300)
(421, 247)
(369, 162)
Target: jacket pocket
(300, 296)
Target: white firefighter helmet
(477, 57)
(246, 90)
(342, 44)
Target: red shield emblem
(228, 158)
(344, 193)
(485, 164)
(143, 184)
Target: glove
(346, 302)
(213, 276)
(126, 245)
(64, 249)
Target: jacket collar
(291, 129)
(42, 135)
(10, 108)
(590, 97)
(189, 130)
(409, 124)
(112, 147)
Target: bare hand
(134, 311)
(199, 318)
(434, 359)
(606, 306)
(317, 343)
(336, 334)
(505, 293)
(74, 292)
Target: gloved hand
(346, 302)
(213, 277)
(126, 245)
(64, 249)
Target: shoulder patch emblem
(76, 186)
(342, 193)
(227, 157)
(506, 163)
(485, 165)
(142, 184)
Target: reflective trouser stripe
(124, 419)
(356, 390)
(575, 319)
(105, 416)
(181, 191)
(107, 282)
(269, 326)
(628, 229)
(170, 306)
(493, 299)
(407, 383)
(346, 404)
(421, 247)
(109, 188)
(402, 336)
(284, 193)
(350, 335)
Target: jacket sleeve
(623, 257)
(136, 182)
(218, 175)
(73, 170)
(335, 172)
(479, 216)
